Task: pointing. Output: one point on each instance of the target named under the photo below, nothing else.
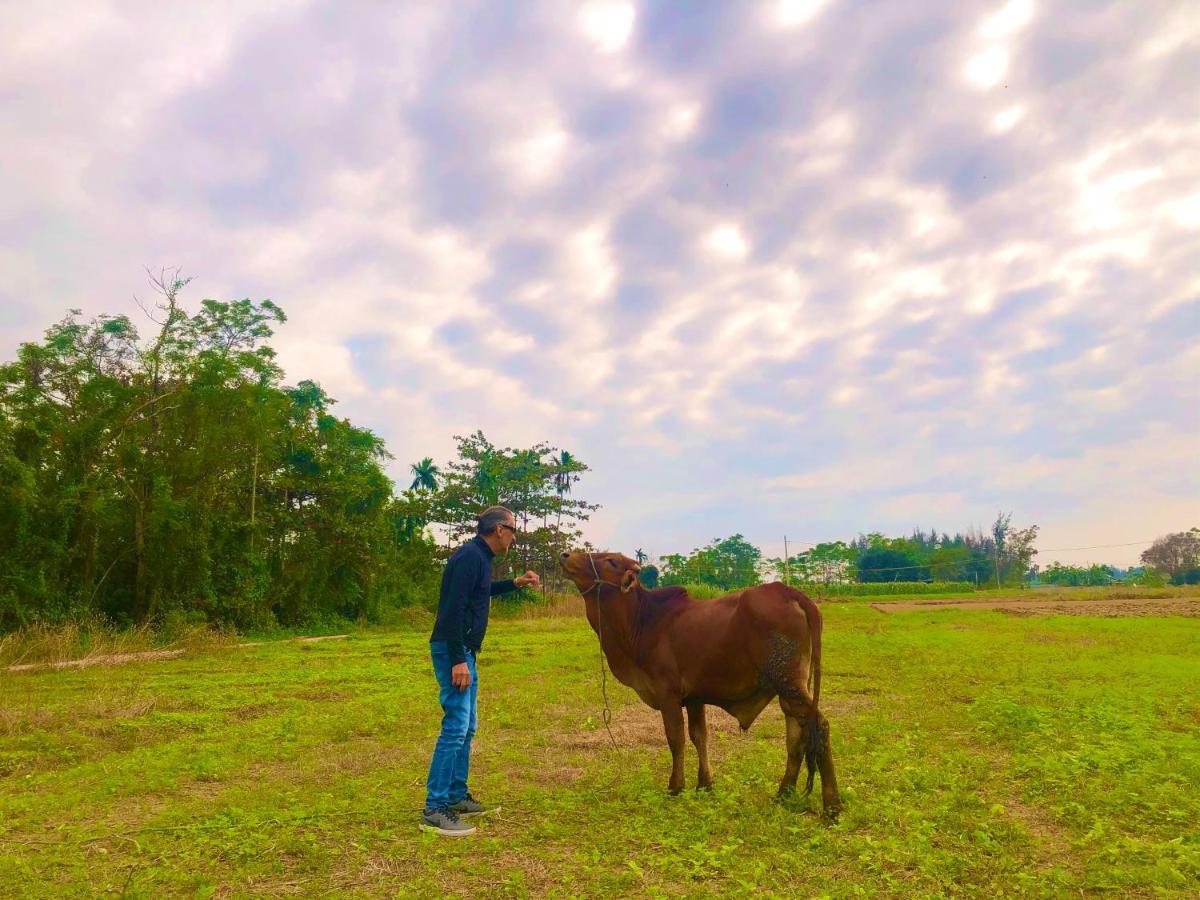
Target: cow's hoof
(705, 787)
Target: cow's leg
(795, 753)
(672, 713)
(698, 730)
(808, 734)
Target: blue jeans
(447, 781)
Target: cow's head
(591, 571)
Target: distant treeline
(1000, 557)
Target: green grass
(979, 754)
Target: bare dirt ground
(115, 659)
(1107, 608)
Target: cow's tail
(814, 725)
(812, 614)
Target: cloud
(770, 268)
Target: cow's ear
(628, 581)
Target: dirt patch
(111, 659)
(1108, 608)
(299, 640)
(323, 695)
(640, 726)
(252, 711)
(848, 702)
(551, 775)
(116, 659)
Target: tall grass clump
(87, 637)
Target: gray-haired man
(467, 589)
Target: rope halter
(599, 582)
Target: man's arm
(507, 586)
(457, 590)
(529, 579)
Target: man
(467, 589)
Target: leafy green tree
(1013, 549)
(1075, 576)
(727, 564)
(889, 564)
(533, 482)
(831, 562)
(882, 558)
(1146, 576)
(649, 576)
(952, 562)
(145, 479)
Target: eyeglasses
(509, 527)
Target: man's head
(498, 527)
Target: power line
(1095, 547)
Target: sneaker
(468, 806)
(444, 822)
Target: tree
(727, 564)
(1175, 554)
(640, 555)
(950, 562)
(649, 576)
(884, 563)
(826, 563)
(519, 478)
(1012, 549)
(1076, 576)
(890, 559)
(565, 473)
(177, 476)
(425, 475)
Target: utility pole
(787, 564)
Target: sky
(783, 268)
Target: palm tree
(640, 555)
(426, 475)
(562, 478)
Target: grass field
(979, 754)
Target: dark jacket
(467, 589)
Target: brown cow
(737, 652)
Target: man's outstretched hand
(529, 579)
